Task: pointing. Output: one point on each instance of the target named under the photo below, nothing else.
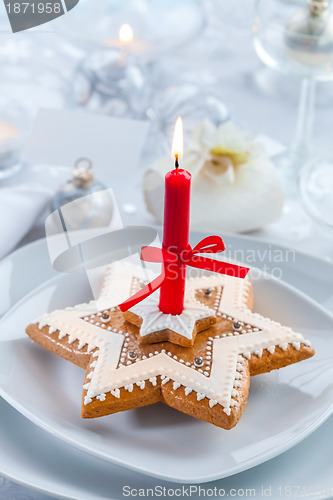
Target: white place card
(60, 137)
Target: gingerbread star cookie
(208, 380)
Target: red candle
(176, 229)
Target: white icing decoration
(154, 320)
(115, 393)
(107, 346)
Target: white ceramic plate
(36, 459)
(283, 408)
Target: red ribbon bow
(211, 244)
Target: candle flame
(126, 33)
(178, 140)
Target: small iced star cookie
(155, 326)
(208, 380)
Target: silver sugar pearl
(132, 355)
(198, 361)
(105, 318)
(208, 291)
(237, 326)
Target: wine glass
(282, 42)
(296, 39)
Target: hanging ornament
(84, 202)
(309, 34)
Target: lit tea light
(8, 131)
(127, 41)
(126, 34)
(10, 147)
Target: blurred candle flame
(126, 34)
(178, 140)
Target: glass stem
(302, 145)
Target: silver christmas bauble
(85, 202)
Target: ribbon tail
(142, 294)
(218, 266)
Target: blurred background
(247, 77)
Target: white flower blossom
(234, 184)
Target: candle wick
(176, 161)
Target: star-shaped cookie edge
(235, 305)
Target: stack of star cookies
(199, 362)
